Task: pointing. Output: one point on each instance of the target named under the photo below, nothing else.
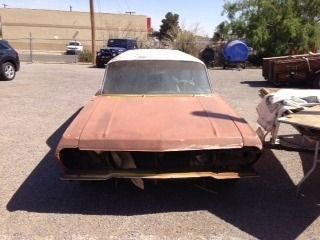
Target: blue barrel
(235, 52)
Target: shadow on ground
(215, 115)
(94, 66)
(259, 84)
(295, 142)
(267, 84)
(265, 207)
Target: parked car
(74, 47)
(156, 116)
(114, 48)
(9, 61)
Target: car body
(74, 47)
(114, 47)
(156, 116)
(9, 61)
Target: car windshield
(74, 44)
(122, 43)
(156, 77)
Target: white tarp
(282, 102)
(287, 94)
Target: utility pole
(30, 46)
(93, 32)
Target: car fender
(11, 60)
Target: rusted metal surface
(153, 175)
(267, 61)
(160, 123)
(156, 124)
(293, 68)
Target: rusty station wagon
(157, 116)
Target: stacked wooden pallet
(294, 68)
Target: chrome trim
(152, 175)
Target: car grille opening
(160, 162)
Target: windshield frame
(74, 43)
(160, 94)
(124, 43)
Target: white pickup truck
(74, 47)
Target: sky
(205, 13)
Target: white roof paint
(155, 54)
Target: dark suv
(9, 61)
(114, 48)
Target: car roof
(155, 54)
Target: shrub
(85, 56)
(188, 40)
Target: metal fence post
(30, 46)
(75, 52)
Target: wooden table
(307, 122)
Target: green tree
(274, 27)
(169, 28)
(222, 32)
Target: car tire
(99, 65)
(316, 81)
(8, 71)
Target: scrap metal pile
(296, 68)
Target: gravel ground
(37, 106)
(48, 57)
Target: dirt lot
(37, 106)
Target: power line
(99, 11)
(120, 8)
(127, 5)
(102, 24)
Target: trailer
(235, 54)
(292, 69)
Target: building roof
(155, 54)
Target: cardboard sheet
(309, 118)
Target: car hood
(158, 123)
(117, 48)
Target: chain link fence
(33, 49)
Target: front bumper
(73, 51)
(102, 60)
(105, 175)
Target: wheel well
(10, 61)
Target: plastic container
(235, 52)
